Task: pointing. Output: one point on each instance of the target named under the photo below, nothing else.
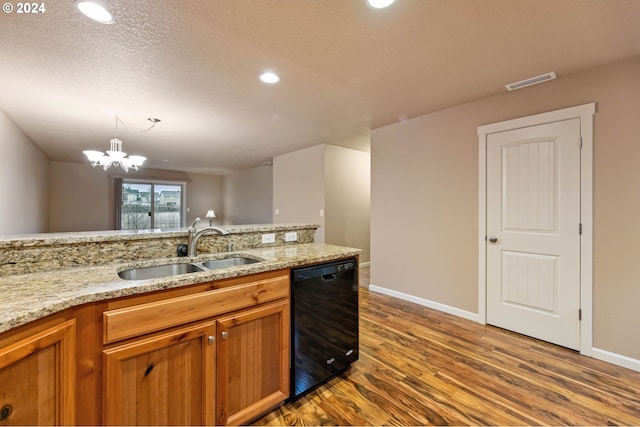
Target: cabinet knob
(5, 412)
(225, 335)
(211, 339)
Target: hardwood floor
(423, 367)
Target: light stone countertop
(47, 239)
(28, 297)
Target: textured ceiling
(345, 69)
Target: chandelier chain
(152, 120)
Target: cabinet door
(37, 378)
(253, 362)
(165, 379)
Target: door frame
(585, 114)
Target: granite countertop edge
(48, 239)
(29, 297)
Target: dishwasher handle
(326, 272)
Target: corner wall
(424, 208)
(24, 186)
(348, 198)
(326, 185)
(298, 188)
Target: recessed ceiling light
(380, 4)
(269, 77)
(95, 10)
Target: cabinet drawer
(141, 319)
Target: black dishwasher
(324, 323)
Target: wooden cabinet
(37, 378)
(165, 379)
(215, 357)
(213, 353)
(139, 319)
(253, 362)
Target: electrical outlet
(269, 238)
(277, 211)
(291, 236)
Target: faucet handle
(193, 225)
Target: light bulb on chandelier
(115, 156)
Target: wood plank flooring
(423, 367)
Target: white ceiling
(345, 69)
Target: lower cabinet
(216, 357)
(165, 379)
(253, 362)
(37, 378)
(226, 371)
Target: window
(151, 205)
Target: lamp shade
(137, 160)
(210, 214)
(93, 156)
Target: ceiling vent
(531, 81)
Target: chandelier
(115, 156)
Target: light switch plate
(291, 236)
(269, 238)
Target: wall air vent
(531, 81)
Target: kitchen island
(208, 347)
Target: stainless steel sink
(167, 270)
(227, 262)
(157, 271)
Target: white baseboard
(425, 302)
(616, 359)
(365, 264)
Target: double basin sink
(175, 269)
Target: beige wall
(79, 198)
(298, 188)
(248, 196)
(424, 213)
(24, 173)
(333, 179)
(80, 195)
(204, 192)
(347, 198)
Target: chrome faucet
(194, 235)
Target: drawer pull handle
(211, 339)
(225, 335)
(149, 369)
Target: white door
(533, 238)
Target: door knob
(225, 335)
(493, 239)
